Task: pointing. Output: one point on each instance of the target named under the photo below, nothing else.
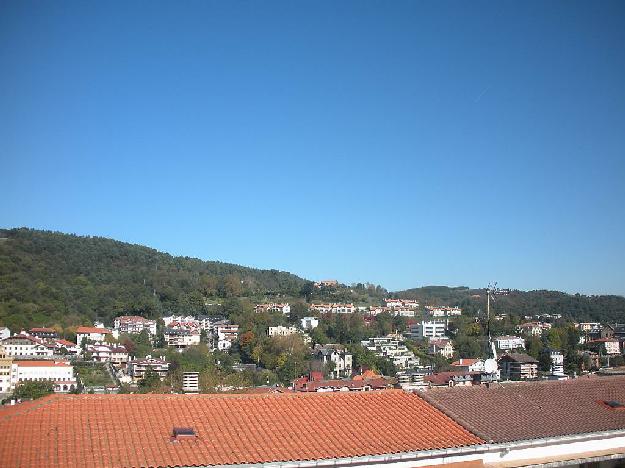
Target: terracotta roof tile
(533, 410)
(136, 430)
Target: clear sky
(400, 143)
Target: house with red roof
(92, 334)
(467, 364)
(26, 346)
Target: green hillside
(54, 279)
(48, 278)
(519, 303)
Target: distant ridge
(63, 280)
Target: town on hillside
(298, 346)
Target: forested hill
(53, 279)
(572, 306)
(48, 278)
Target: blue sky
(400, 143)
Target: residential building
(586, 327)
(225, 334)
(471, 365)
(336, 358)
(533, 328)
(452, 379)
(391, 348)
(334, 308)
(191, 382)
(138, 367)
(65, 347)
(104, 352)
(428, 329)
(95, 334)
(4, 333)
(181, 338)
(609, 346)
(6, 371)
(60, 373)
(282, 331)
(413, 379)
(273, 307)
(309, 323)
(509, 342)
(25, 346)
(518, 366)
(442, 311)
(401, 304)
(188, 320)
(43, 333)
(392, 303)
(326, 284)
(441, 346)
(557, 362)
(208, 322)
(134, 324)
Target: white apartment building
(134, 324)
(181, 338)
(401, 304)
(282, 308)
(428, 329)
(96, 334)
(391, 348)
(226, 334)
(60, 373)
(26, 346)
(557, 362)
(309, 323)
(191, 382)
(509, 342)
(282, 331)
(334, 308)
(341, 359)
(4, 333)
(138, 367)
(442, 311)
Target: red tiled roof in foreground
(534, 410)
(136, 430)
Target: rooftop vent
(183, 433)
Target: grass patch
(93, 374)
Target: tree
(33, 390)
(544, 360)
(307, 290)
(150, 381)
